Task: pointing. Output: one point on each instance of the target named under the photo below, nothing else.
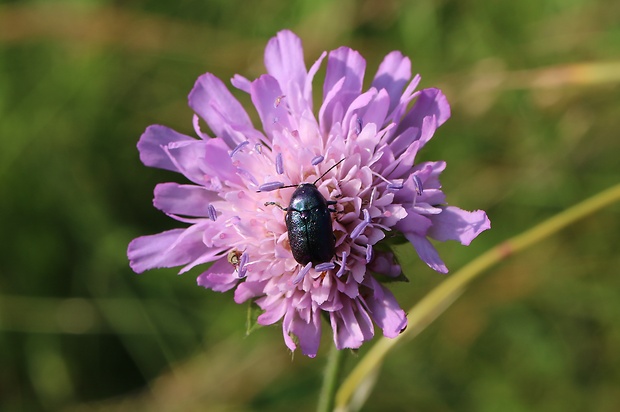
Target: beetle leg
(276, 204)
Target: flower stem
(330, 380)
(440, 298)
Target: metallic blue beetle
(309, 223)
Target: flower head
(360, 154)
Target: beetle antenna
(328, 170)
(268, 187)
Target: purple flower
(237, 177)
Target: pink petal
(201, 161)
(351, 325)
(219, 277)
(241, 83)
(248, 290)
(307, 91)
(266, 94)
(370, 107)
(393, 74)
(212, 101)
(384, 310)
(430, 102)
(457, 224)
(347, 63)
(342, 63)
(284, 60)
(187, 200)
(167, 249)
(151, 142)
(308, 333)
(427, 252)
(414, 223)
(272, 314)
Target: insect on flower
(307, 266)
(309, 224)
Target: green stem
(330, 380)
(440, 298)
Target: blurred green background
(534, 88)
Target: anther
(268, 187)
(212, 212)
(358, 125)
(239, 147)
(242, 263)
(359, 229)
(323, 267)
(417, 184)
(279, 165)
(317, 159)
(395, 185)
(302, 272)
(343, 265)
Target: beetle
(309, 223)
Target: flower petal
(219, 277)
(266, 93)
(284, 60)
(167, 249)
(393, 74)
(457, 224)
(187, 200)
(309, 334)
(352, 325)
(384, 310)
(151, 145)
(248, 289)
(308, 84)
(430, 102)
(274, 311)
(427, 252)
(342, 63)
(221, 110)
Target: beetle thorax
(307, 197)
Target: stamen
(278, 101)
(279, 165)
(366, 215)
(239, 147)
(381, 177)
(359, 229)
(343, 265)
(358, 126)
(372, 196)
(317, 159)
(369, 253)
(259, 148)
(302, 272)
(242, 263)
(323, 267)
(212, 212)
(418, 184)
(268, 187)
(395, 185)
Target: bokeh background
(534, 88)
